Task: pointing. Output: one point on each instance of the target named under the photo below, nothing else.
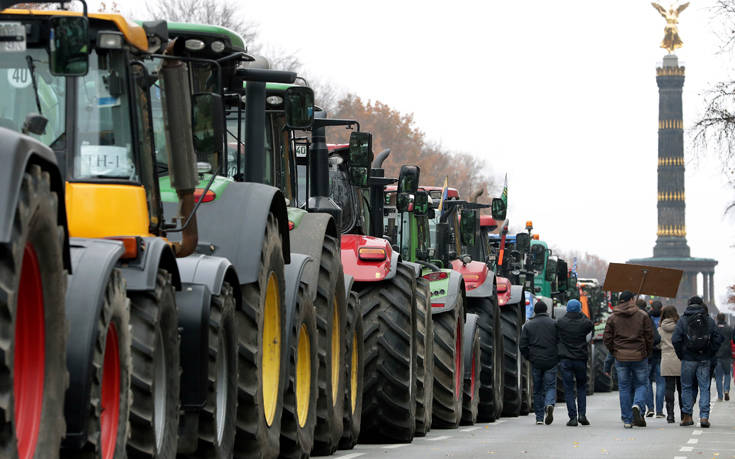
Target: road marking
(680, 457)
(351, 455)
(693, 441)
(697, 432)
(399, 445)
(686, 449)
(443, 437)
(499, 422)
(469, 429)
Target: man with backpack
(696, 342)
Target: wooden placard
(639, 279)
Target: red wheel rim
(110, 394)
(472, 378)
(458, 362)
(29, 358)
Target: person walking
(670, 363)
(574, 330)
(724, 358)
(538, 345)
(654, 367)
(629, 337)
(696, 342)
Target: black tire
(510, 325)
(36, 241)
(527, 398)
(448, 366)
(299, 420)
(217, 438)
(491, 342)
(424, 358)
(354, 381)
(114, 317)
(256, 435)
(603, 382)
(155, 330)
(590, 371)
(471, 355)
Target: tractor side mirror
(468, 226)
(499, 209)
(408, 179)
(431, 213)
(403, 202)
(361, 156)
(208, 127)
(69, 46)
(562, 273)
(299, 107)
(442, 241)
(421, 203)
(523, 241)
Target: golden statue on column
(671, 39)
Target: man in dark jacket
(629, 337)
(696, 342)
(538, 345)
(574, 332)
(724, 358)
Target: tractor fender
(470, 324)
(294, 272)
(209, 271)
(193, 302)
(365, 270)
(308, 239)
(233, 225)
(92, 261)
(395, 258)
(456, 287)
(140, 274)
(415, 266)
(516, 294)
(486, 289)
(17, 153)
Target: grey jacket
(670, 363)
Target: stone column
(705, 287)
(711, 301)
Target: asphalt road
(605, 437)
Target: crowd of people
(655, 353)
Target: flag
(445, 192)
(504, 194)
(574, 266)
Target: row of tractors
(188, 267)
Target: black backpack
(698, 332)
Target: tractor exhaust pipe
(476, 195)
(379, 158)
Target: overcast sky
(560, 95)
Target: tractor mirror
(523, 241)
(299, 107)
(69, 46)
(207, 126)
(499, 209)
(421, 203)
(361, 155)
(468, 227)
(561, 275)
(442, 241)
(538, 255)
(431, 213)
(408, 179)
(403, 202)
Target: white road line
(399, 445)
(443, 437)
(499, 422)
(697, 432)
(351, 455)
(686, 449)
(468, 429)
(693, 441)
(680, 457)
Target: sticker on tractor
(106, 161)
(19, 78)
(300, 151)
(12, 37)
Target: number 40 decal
(19, 78)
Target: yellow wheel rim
(271, 362)
(335, 351)
(303, 376)
(353, 374)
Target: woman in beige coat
(670, 363)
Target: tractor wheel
(527, 380)
(217, 419)
(603, 382)
(590, 370)
(33, 325)
(300, 398)
(491, 373)
(331, 312)
(110, 396)
(448, 366)
(354, 374)
(424, 358)
(471, 354)
(510, 325)
(261, 373)
(389, 397)
(154, 415)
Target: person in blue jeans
(654, 368)
(724, 359)
(575, 331)
(696, 342)
(538, 345)
(629, 337)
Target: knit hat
(696, 300)
(539, 307)
(625, 296)
(574, 306)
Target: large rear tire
(331, 312)
(154, 415)
(448, 366)
(510, 324)
(590, 389)
(527, 398)
(603, 382)
(33, 357)
(354, 374)
(389, 397)
(300, 398)
(424, 358)
(261, 373)
(110, 395)
(491, 373)
(471, 354)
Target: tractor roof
(452, 193)
(209, 33)
(487, 221)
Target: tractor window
(285, 158)
(341, 191)
(422, 236)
